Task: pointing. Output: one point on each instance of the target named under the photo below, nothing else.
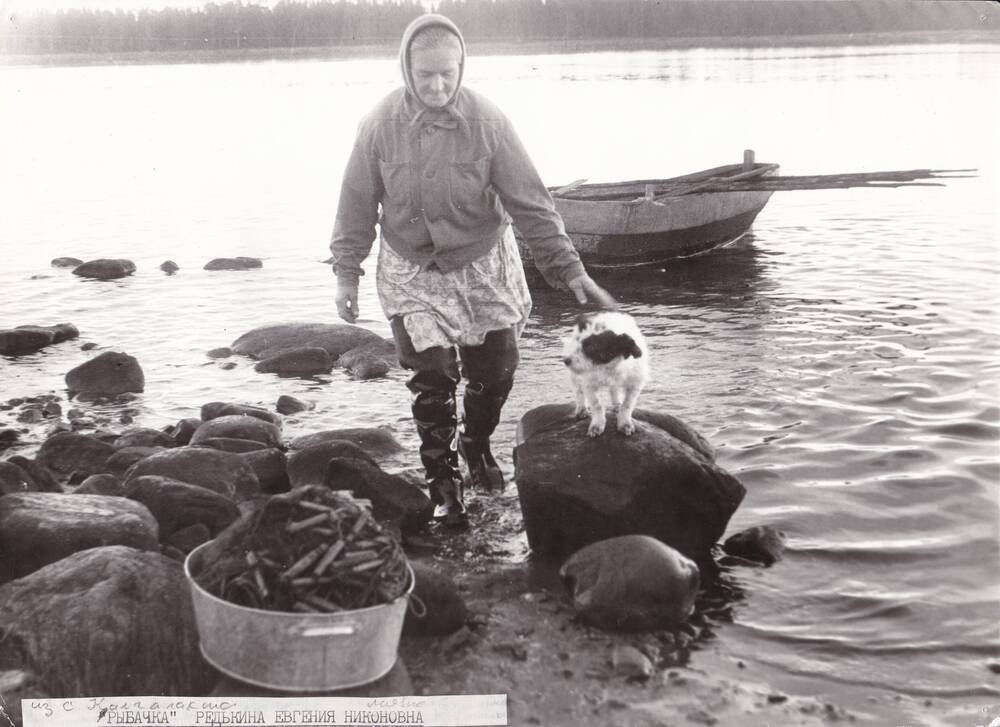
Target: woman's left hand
(585, 289)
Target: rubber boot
(434, 414)
(482, 413)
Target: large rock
(234, 263)
(144, 437)
(334, 338)
(119, 462)
(215, 409)
(39, 475)
(394, 499)
(575, 490)
(231, 444)
(177, 505)
(68, 452)
(303, 361)
(106, 374)
(102, 484)
(105, 268)
(376, 441)
(105, 621)
(38, 528)
(13, 479)
(631, 583)
(222, 472)
(29, 339)
(271, 468)
(308, 466)
(239, 426)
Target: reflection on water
(843, 360)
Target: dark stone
(189, 538)
(106, 374)
(231, 444)
(215, 409)
(13, 479)
(271, 468)
(369, 367)
(290, 405)
(239, 426)
(105, 268)
(125, 614)
(119, 462)
(376, 441)
(631, 583)
(234, 263)
(223, 352)
(308, 466)
(444, 610)
(334, 338)
(15, 342)
(297, 362)
(575, 490)
(8, 438)
(222, 472)
(143, 437)
(52, 409)
(183, 430)
(60, 332)
(381, 350)
(103, 484)
(41, 476)
(177, 505)
(394, 499)
(38, 528)
(17, 685)
(88, 346)
(762, 544)
(169, 267)
(66, 262)
(31, 415)
(67, 452)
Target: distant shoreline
(388, 50)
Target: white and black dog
(606, 352)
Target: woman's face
(435, 73)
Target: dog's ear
(631, 347)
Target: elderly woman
(449, 175)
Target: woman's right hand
(347, 301)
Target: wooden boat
(647, 222)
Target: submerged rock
(169, 267)
(371, 360)
(24, 340)
(575, 490)
(761, 544)
(105, 268)
(234, 263)
(107, 621)
(308, 361)
(38, 528)
(631, 583)
(66, 262)
(106, 374)
(334, 338)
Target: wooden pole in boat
(748, 156)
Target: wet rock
(290, 405)
(38, 528)
(308, 466)
(30, 415)
(60, 332)
(169, 267)
(103, 484)
(51, 409)
(177, 505)
(13, 479)
(222, 472)
(629, 662)
(132, 625)
(631, 583)
(376, 441)
(14, 342)
(234, 263)
(183, 430)
(74, 452)
(189, 538)
(394, 499)
(239, 426)
(105, 268)
(761, 544)
(41, 477)
(369, 367)
(383, 349)
(228, 365)
(119, 462)
(143, 437)
(576, 489)
(438, 608)
(231, 444)
(66, 262)
(270, 466)
(8, 438)
(309, 361)
(88, 346)
(334, 338)
(223, 352)
(215, 409)
(106, 374)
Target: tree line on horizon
(235, 25)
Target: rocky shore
(606, 624)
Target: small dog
(606, 353)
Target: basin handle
(324, 631)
